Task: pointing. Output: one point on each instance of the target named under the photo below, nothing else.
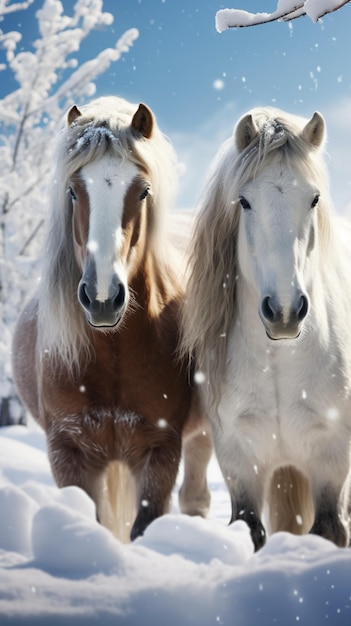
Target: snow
(59, 566)
(237, 18)
(315, 8)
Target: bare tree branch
(31, 237)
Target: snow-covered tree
(49, 82)
(286, 10)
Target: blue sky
(179, 59)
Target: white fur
(285, 403)
(107, 181)
(274, 233)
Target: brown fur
(129, 400)
(290, 502)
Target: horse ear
(72, 114)
(245, 131)
(143, 121)
(314, 131)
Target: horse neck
(155, 285)
(246, 314)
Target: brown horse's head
(111, 198)
(112, 185)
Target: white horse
(268, 317)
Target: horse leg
(121, 499)
(290, 504)
(330, 490)
(245, 507)
(245, 482)
(155, 478)
(71, 466)
(194, 495)
(96, 487)
(330, 517)
(330, 522)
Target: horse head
(278, 228)
(110, 195)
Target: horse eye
(244, 203)
(315, 201)
(145, 193)
(72, 194)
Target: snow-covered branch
(6, 8)
(286, 10)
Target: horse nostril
(302, 308)
(267, 309)
(119, 297)
(85, 295)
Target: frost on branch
(49, 81)
(6, 7)
(286, 10)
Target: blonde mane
(210, 304)
(105, 125)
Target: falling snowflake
(199, 377)
(218, 84)
(162, 423)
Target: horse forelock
(210, 309)
(104, 126)
(278, 132)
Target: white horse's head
(278, 223)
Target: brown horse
(95, 350)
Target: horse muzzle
(280, 323)
(103, 314)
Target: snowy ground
(58, 566)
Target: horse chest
(282, 398)
(124, 377)
(122, 405)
